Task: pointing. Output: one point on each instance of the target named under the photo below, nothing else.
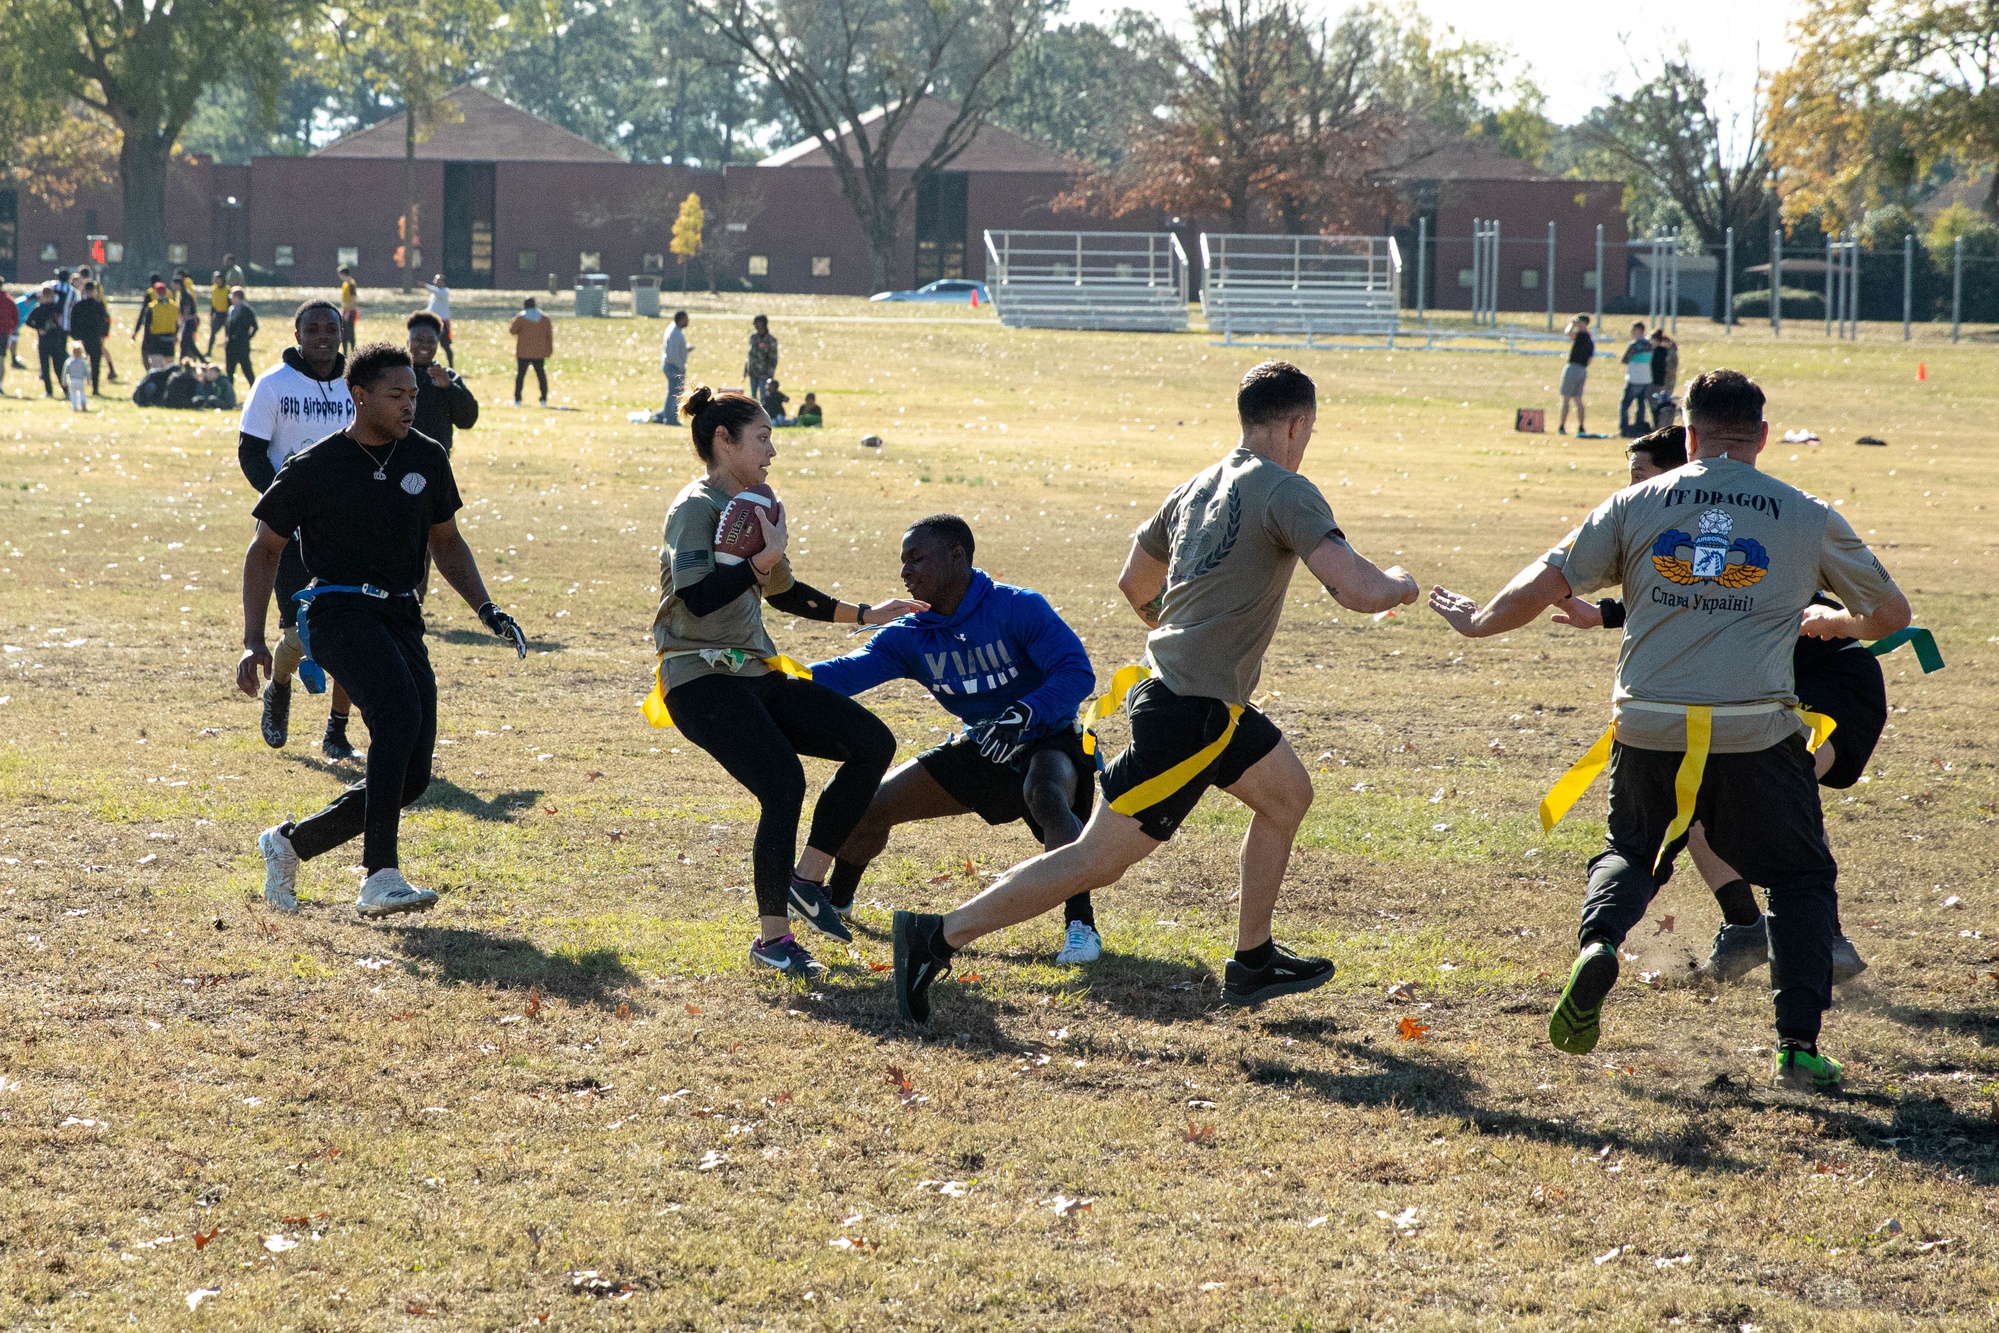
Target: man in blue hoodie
(1001, 661)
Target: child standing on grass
(76, 374)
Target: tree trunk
(881, 246)
(409, 195)
(142, 170)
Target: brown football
(738, 535)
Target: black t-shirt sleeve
(285, 501)
(444, 498)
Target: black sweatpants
(375, 649)
(236, 355)
(94, 349)
(51, 354)
(521, 365)
(756, 727)
(1762, 816)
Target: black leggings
(521, 365)
(375, 649)
(756, 727)
(235, 355)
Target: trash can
(645, 295)
(593, 296)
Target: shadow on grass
(484, 639)
(1387, 1078)
(444, 794)
(506, 962)
(1158, 990)
(1917, 1129)
(1980, 1027)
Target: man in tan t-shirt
(1208, 573)
(1719, 565)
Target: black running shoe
(277, 724)
(1285, 974)
(334, 744)
(1738, 950)
(1846, 960)
(921, 957)
(808, 903)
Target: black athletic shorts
(993, 791)
(1167, 731)
(1847, 686)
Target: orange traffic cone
(975, 298)
(1922, 371)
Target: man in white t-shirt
(440, 305)
(293, 405)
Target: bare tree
(855, 73)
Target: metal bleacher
(1123, 280)
(1300, 284)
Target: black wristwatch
(861, 610)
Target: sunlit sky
(1577, 50)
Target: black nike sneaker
(921, 956)
(807, 902)
(1285, 974)
(277, 723)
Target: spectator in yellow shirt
(350, 309)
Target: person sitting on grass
(808, 412)
(773, 402)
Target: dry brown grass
(571, 1066)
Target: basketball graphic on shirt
(413, 483)
(1711, 552)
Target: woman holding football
(729, 691)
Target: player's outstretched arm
(1533, 590)
(260, 576)
(1825, 622)
(454, 561)
(1143, 583)
(1356, 582)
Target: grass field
(565, 1099)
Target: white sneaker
(280, 869)
(1081, 945)
(386, 893)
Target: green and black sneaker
(1573, 1025)
(1803, 1068)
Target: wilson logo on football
(738, 533)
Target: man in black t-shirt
(1576, 373)
(367, 504)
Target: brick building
(508, 200)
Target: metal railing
(1116, 280)
(1313, 285)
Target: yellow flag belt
(654, 704)
(1568, 788)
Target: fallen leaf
(303, 1220)
(1065, 1206)
(1402, 990)
(201, 1240)
(694, 1010)
(1199, 1133)
(200, 1294)
(898, 1080)
(419, 1309)
(591, 776)
(1496, 747)
(881, 967)
(617, 835)
(1410, 1030)
(1665, 926)
(969, 978)
(549, 808)
(534, 1002)
(853, 1243)
(971, 871)
(941, 879)
(625, 1010)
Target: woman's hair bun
(697, 402)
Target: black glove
(1003, 737)
(505, 626)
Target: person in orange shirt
(534, 343)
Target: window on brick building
(759, 266)
(527, 261)
(822, 266)
(1530, 278)
(282, 258)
